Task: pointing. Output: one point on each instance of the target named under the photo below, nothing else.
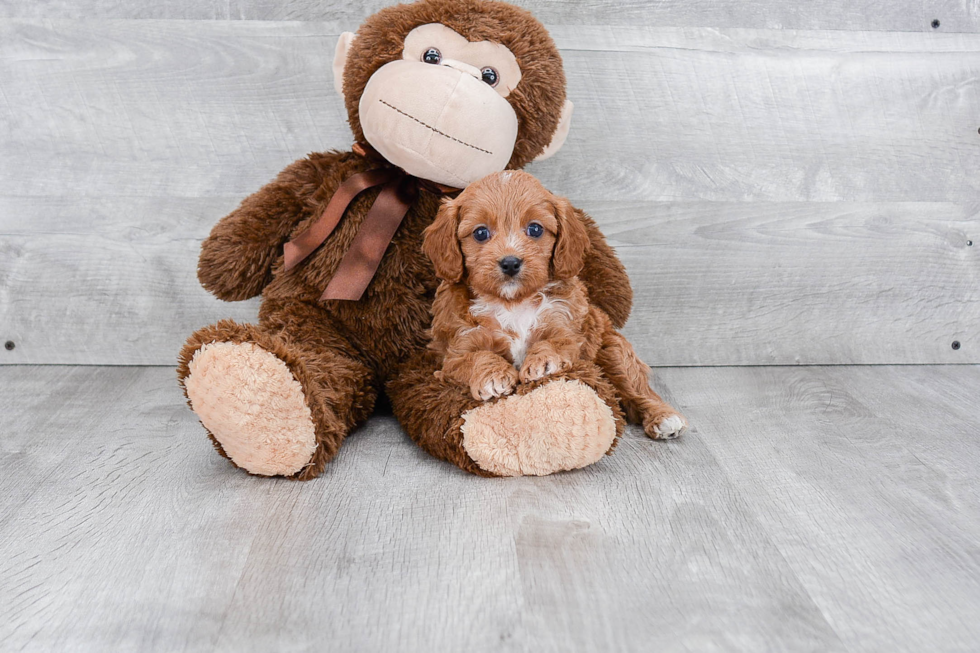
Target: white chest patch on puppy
(518, 320)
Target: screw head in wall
(935, 24)
(9, 345)
(956, 344)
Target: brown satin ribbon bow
(398, 192)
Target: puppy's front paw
(495, 382)
(539, 365)
(665, 427)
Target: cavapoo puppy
(510, 308)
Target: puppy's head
(508, 235)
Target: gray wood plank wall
(779, 196)
(896, 15)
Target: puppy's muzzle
(510, 265)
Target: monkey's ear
(573, 241)
(561, 133)
(340, 60)
(441, 243)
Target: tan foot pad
(251, 403)
(559, 426)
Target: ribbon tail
(304, 244)
(361, 261)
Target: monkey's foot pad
(560, 426)
(253, 406)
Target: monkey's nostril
(510, 265)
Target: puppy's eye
(432, 55)
(534, 230)
(481, 234)
(490, 76)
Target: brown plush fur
(474, 329)
(344, 353)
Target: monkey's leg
(631, 376)
(272, 407)
(559, 423)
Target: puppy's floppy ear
(573, 240)
(441, 243)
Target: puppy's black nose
(510, 265)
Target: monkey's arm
(605, 277)
(236, 259)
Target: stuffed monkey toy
(439, 93)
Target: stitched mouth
(441, 133)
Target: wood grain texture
(134, 534)
(779, 197)
(865, 478)
(185, 109)
(106, 280)
(900, 15)
(754, 115)
(162, 109)
(714, 283)
(800, 283)
(810, 509)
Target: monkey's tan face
(441, 112)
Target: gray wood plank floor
(811, 509)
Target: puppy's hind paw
(667, 427)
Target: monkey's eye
(534, 230)
(490, 76)
(432, 55)
(481, 234)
